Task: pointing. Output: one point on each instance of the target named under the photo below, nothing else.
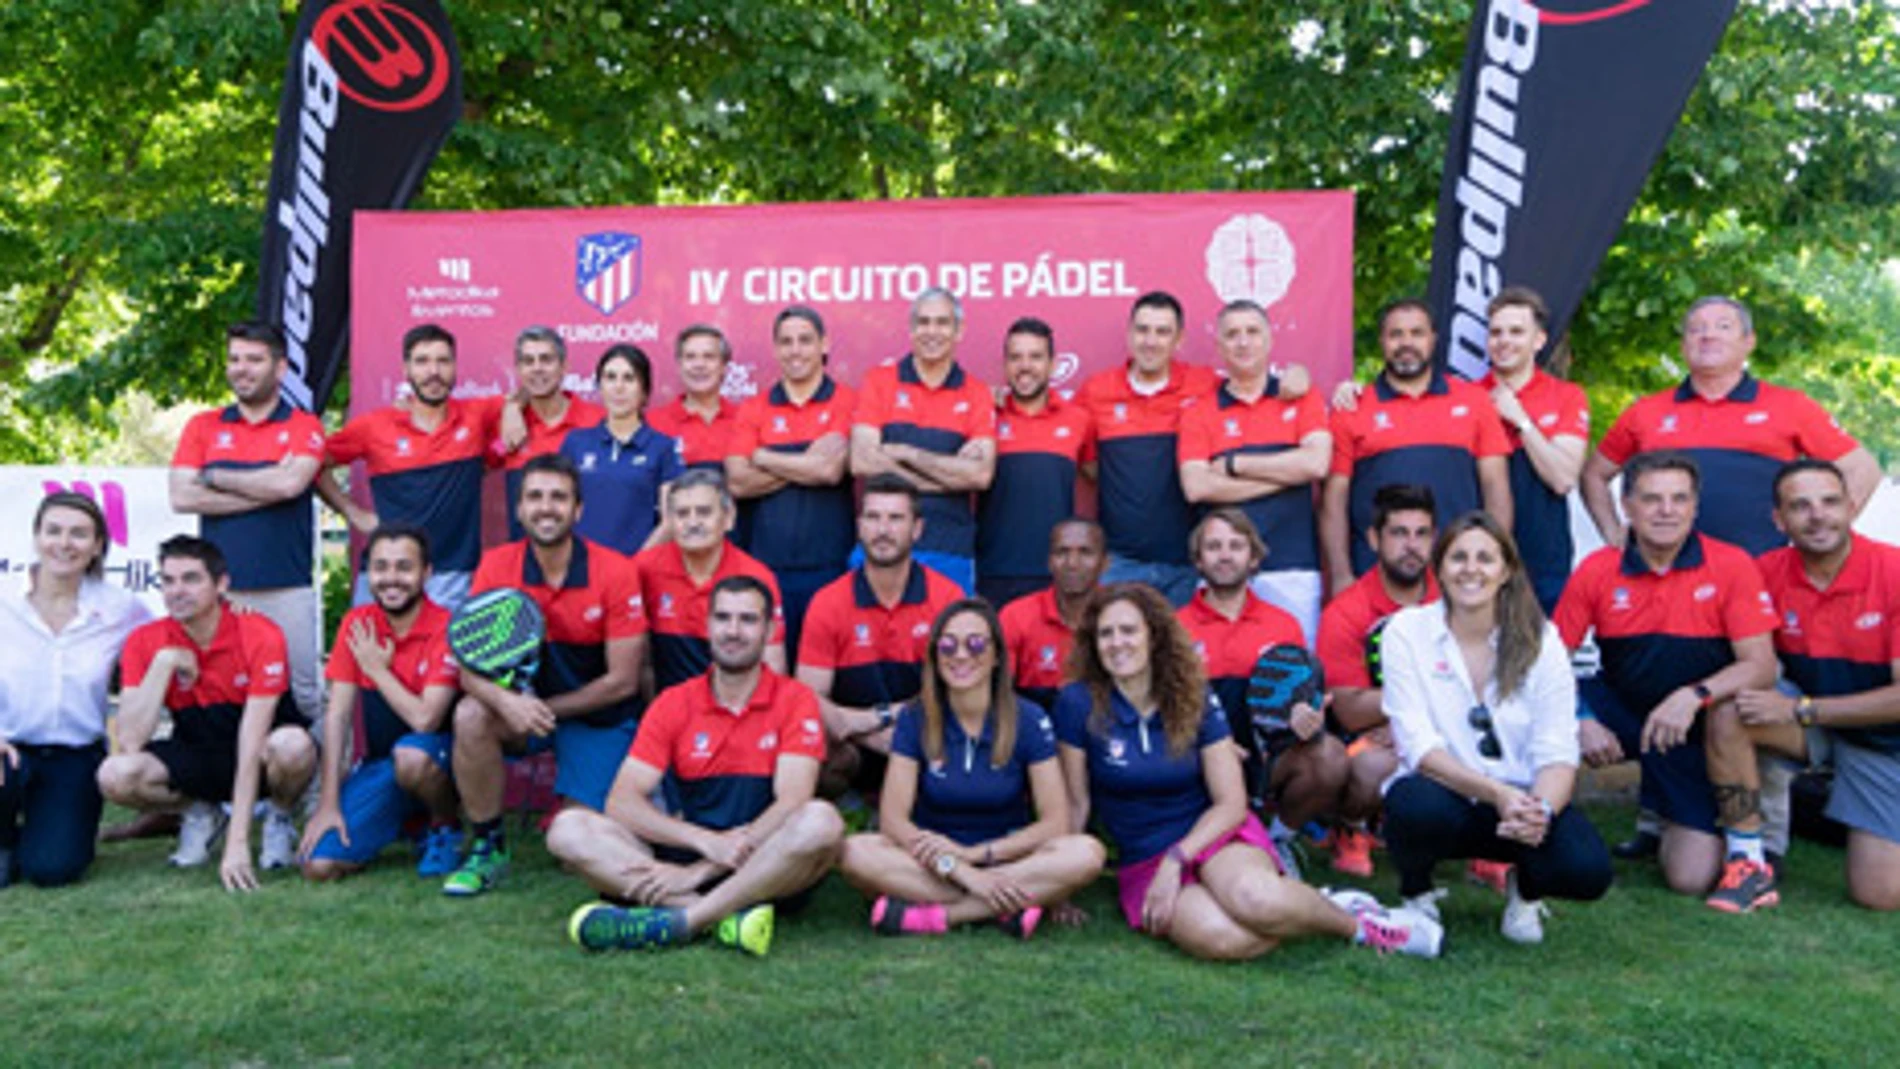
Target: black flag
(1562, 110)
(372, 90)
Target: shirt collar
(907, 372)
(780, 397)
(576, 578)
(1745, 391)
(1437, 386)
(233, 414)
(953, 729)
(915, 588)
(1690, 556)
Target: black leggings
(1426, 822)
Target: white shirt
(1428, 697)
(53, 687)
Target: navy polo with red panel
(271, 546)
(432, 478)
(797, 528)
(1143, 510)
(1740, 441)
(1037, 457)
(723, 761)
(677, 607)
(704, 443)
(937, 419)
(1540, 517)
(543, 438)
(964, 796)
(1224, 425)
(1435, 439)
(419, 659)
(876, 654)
(597, 602)
(1347, 626)
(1039, 644)
(1844, 639)
(1229, 648)
(1659, 632)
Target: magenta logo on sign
(607, 269)
(110, 498)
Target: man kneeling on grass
(744, 745)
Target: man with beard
(699, 419)
(1248, 446)
(1232, 626)
(743, 744)
(1839, 643)
(1684, 624)
(863, 647)
(1040, 628)
(538, 415)
(246, 470)
(927, 421)
(394, 654)
(677, 578)
(584, 699)
(219, 672)
(1041, 442)
(1400, 536)
(425, 459)
(1416, 426)
(788, 468)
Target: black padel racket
(497, 634)
(1283, 677)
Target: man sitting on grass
(744, 745)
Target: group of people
(827, 594)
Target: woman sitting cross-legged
(1482, 702)
(959, 842)
(1145, 748)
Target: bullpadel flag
(1562, 110)
(372, 90)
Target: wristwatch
(1804, 711)
(1703, 694)
(945, 865)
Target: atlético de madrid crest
(607, 269)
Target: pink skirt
(1133, 880)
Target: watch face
(946, 864)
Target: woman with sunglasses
(1483, 707)
(61, 630)
(1148, 752)
(973, 818)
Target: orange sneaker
(1746, 887)
(1352, 852)
(1492, 874)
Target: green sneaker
(749, 930)
(603, 926)
(481, 870)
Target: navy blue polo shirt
(1037, 455)
(797, 528)
(964, 796)
(1146, 798)
(620, 483)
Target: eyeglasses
(1488, 745)
(976, 645)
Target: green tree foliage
(135, 135)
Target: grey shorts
(1866, 791)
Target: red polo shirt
(419, 660)
(1223, 425)
(1842, 640)
(704, 443)
(896, 402)
(1230, 648)
(244, 660)
(1144, 514)
(1039, 644)
(723, 761)
(875, 653)
(677, 607)
(1348, 625)
(1037, 457)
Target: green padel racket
(497, 634)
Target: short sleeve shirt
(1223, 425)
(1146, 797)
(1037, 457)
(876, 654)
(271, 546)
(1039, 644)
(245, 660)
(432, 478)
(677, 608)
(1144, 513)
(419, 660)
(940, 419)
(797, 528)
(964, 795)
(1349, 630)
(1842, 640)
(723, 761)
(1540, 518)
(704, 443)
(1229, 648)
(620, 483)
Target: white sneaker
(1351, 899)
(1285, 845)
(1523, 921)
(280, 839)
(1426, 903)
(1405, 930)
(202, 827)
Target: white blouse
(53, 686)
(1428, 697)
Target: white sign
(137, 505)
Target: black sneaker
(1643, 846)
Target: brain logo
(1250, 258)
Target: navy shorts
(1675, 784)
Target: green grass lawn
(146, 965)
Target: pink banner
(640, 275)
